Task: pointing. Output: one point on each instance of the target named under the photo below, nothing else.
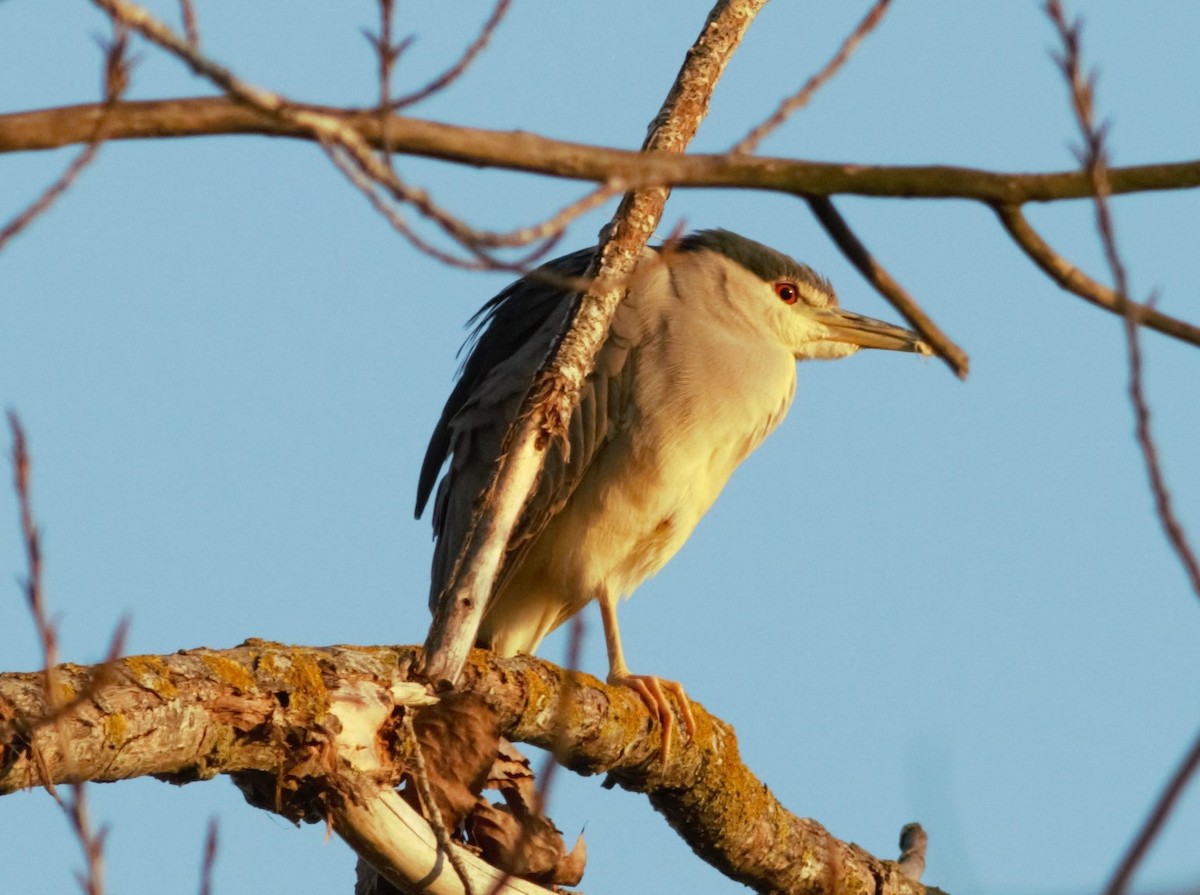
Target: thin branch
(209, 860)
(1072, 279)
(561, 749)
(546, 233)
(391, 213)
(1155, 821)
(116, 79)
(858, 255)
(44, 129)
(801, 98)
(43, 202)
(76, 806)
(1096, 164)
(429, 802)
(455, 71)
(32, 585)
(1094, 158)
(326, 129)
(386, 49)
(331, 130)
(191, 30)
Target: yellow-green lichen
(66, 692)
(116, 729)
(268, 664)
(228, 671)
(306, 686)
(153, 674)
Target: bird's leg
(648, 687)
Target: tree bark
(268, 713)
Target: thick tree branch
(290, 719)
(44, 129)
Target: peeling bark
(274, 717)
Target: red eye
(787, 292)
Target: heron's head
(796, 305)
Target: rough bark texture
(261, 712)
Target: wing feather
(516, 332)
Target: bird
(698, 367)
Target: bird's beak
(867, 332)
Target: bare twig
(209, 859)
(565, 704)
(50, 194)
(1095, 161)
(546, 234)
(191, 28)
(32, 585)
(387, 49)
(432, 813)
(1094, 158)
(391, 213)
(116, 79)
(1155, 820)
(801, 98)
(333, 131)
(1071, 278)
(858, 255)
(455, 71)
(76, 806)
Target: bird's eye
(787, 292)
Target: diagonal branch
(1094, 160)
(1071, 278)
(455, 71)
(801, 98)
(331, 131)
(858, 255)
(116, 79)
(1094, 157)
(555, 392)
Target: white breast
(710, 389)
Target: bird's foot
(653, 692)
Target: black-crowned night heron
(698, 368)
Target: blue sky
(921, 599)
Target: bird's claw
(651, 690)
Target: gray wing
(517, 330)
